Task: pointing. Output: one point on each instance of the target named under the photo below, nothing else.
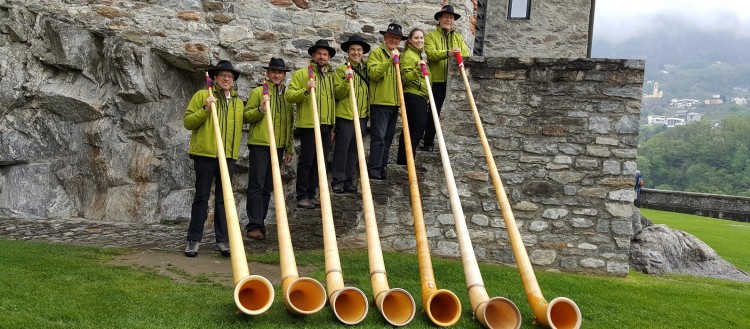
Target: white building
(693, 116)
(655, 120)
(673, 122)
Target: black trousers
(345, 159)
(382, 129)
(207, 172)
(417, 112)
(438, 92)
(259, 185)
(307, 165)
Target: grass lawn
(729, 238)
(60, 286)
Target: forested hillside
(702, 156)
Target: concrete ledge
(703, 204)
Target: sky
(618, 20)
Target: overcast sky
(617, 20)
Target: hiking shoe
(338, 188)
(427, 148)
(191, 250)
(223, 248)
(350, 188)
(315, 202)
(305, 204)
(255, 235)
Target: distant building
(739, 100)
(656, 93)
(693, 116)
(655, 120)
(673, 122)
(713, 101)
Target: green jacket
(382, 74)
(437, 45)
(282, 113)
(411, 73)
(198, 120)
(361, 91)
(324, 95)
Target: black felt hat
(322, 44)
(447, 9)
(355, 40)
(394, 28)
(277, 64)
(223, 65)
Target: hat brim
(212, 73)
(439, 13)
(331, 51)
(403, 37)
(277, 68)
(365, 46)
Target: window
(519, 9)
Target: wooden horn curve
(349, 303)
(253, 294)
(442, 306)
(302, 296)
(561, 312)
(497, 312)
(396, 305)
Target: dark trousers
(382, 129)
(438, 92)
(207, 172)
(417, 112)
(345, 151)
(307, 165)
(259, 185)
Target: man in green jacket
(384, 100)
(203, 151)
(439, 45)
(345, 160)
(299, 93)
(260, 176)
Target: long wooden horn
(396, 305)
(253, 294)
(497, 312)
(349, 303)
(304, 295)
(442, 306)
(561, 312)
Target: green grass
(730, 239)
(60, 286)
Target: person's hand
(263, 103)
(456, 51)
(209, 100)
(395, 52)
(287, 158)
(310, 84)
(422, 62)
(349, 72)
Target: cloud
(617, 20)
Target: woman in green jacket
(416, 96)
(260, 176)
(197, 119)
(439, 45)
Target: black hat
(355, 40)
(224, 65)
(447, 9)
(322, 44)
(394, 28)
(277, 64)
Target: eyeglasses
(225, 75)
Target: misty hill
(686, 61)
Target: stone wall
(555, 28)
(701, 204)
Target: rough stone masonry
(92, 95)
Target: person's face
(321, 56)
(355, 52)
(446, 21)
(224, 79)
(392, 40)
(417, 40)
(276, 76)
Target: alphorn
(302, 296)
(349, 303)
(442, 306)
(253, 294)
(396, 305)
(561, 312)
(496, 312)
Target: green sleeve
(410, 70)
(290, 131)
(377, 65)
(252, 111)
(342, 84)
(195, 114)
(434, 53)
(297, 87)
